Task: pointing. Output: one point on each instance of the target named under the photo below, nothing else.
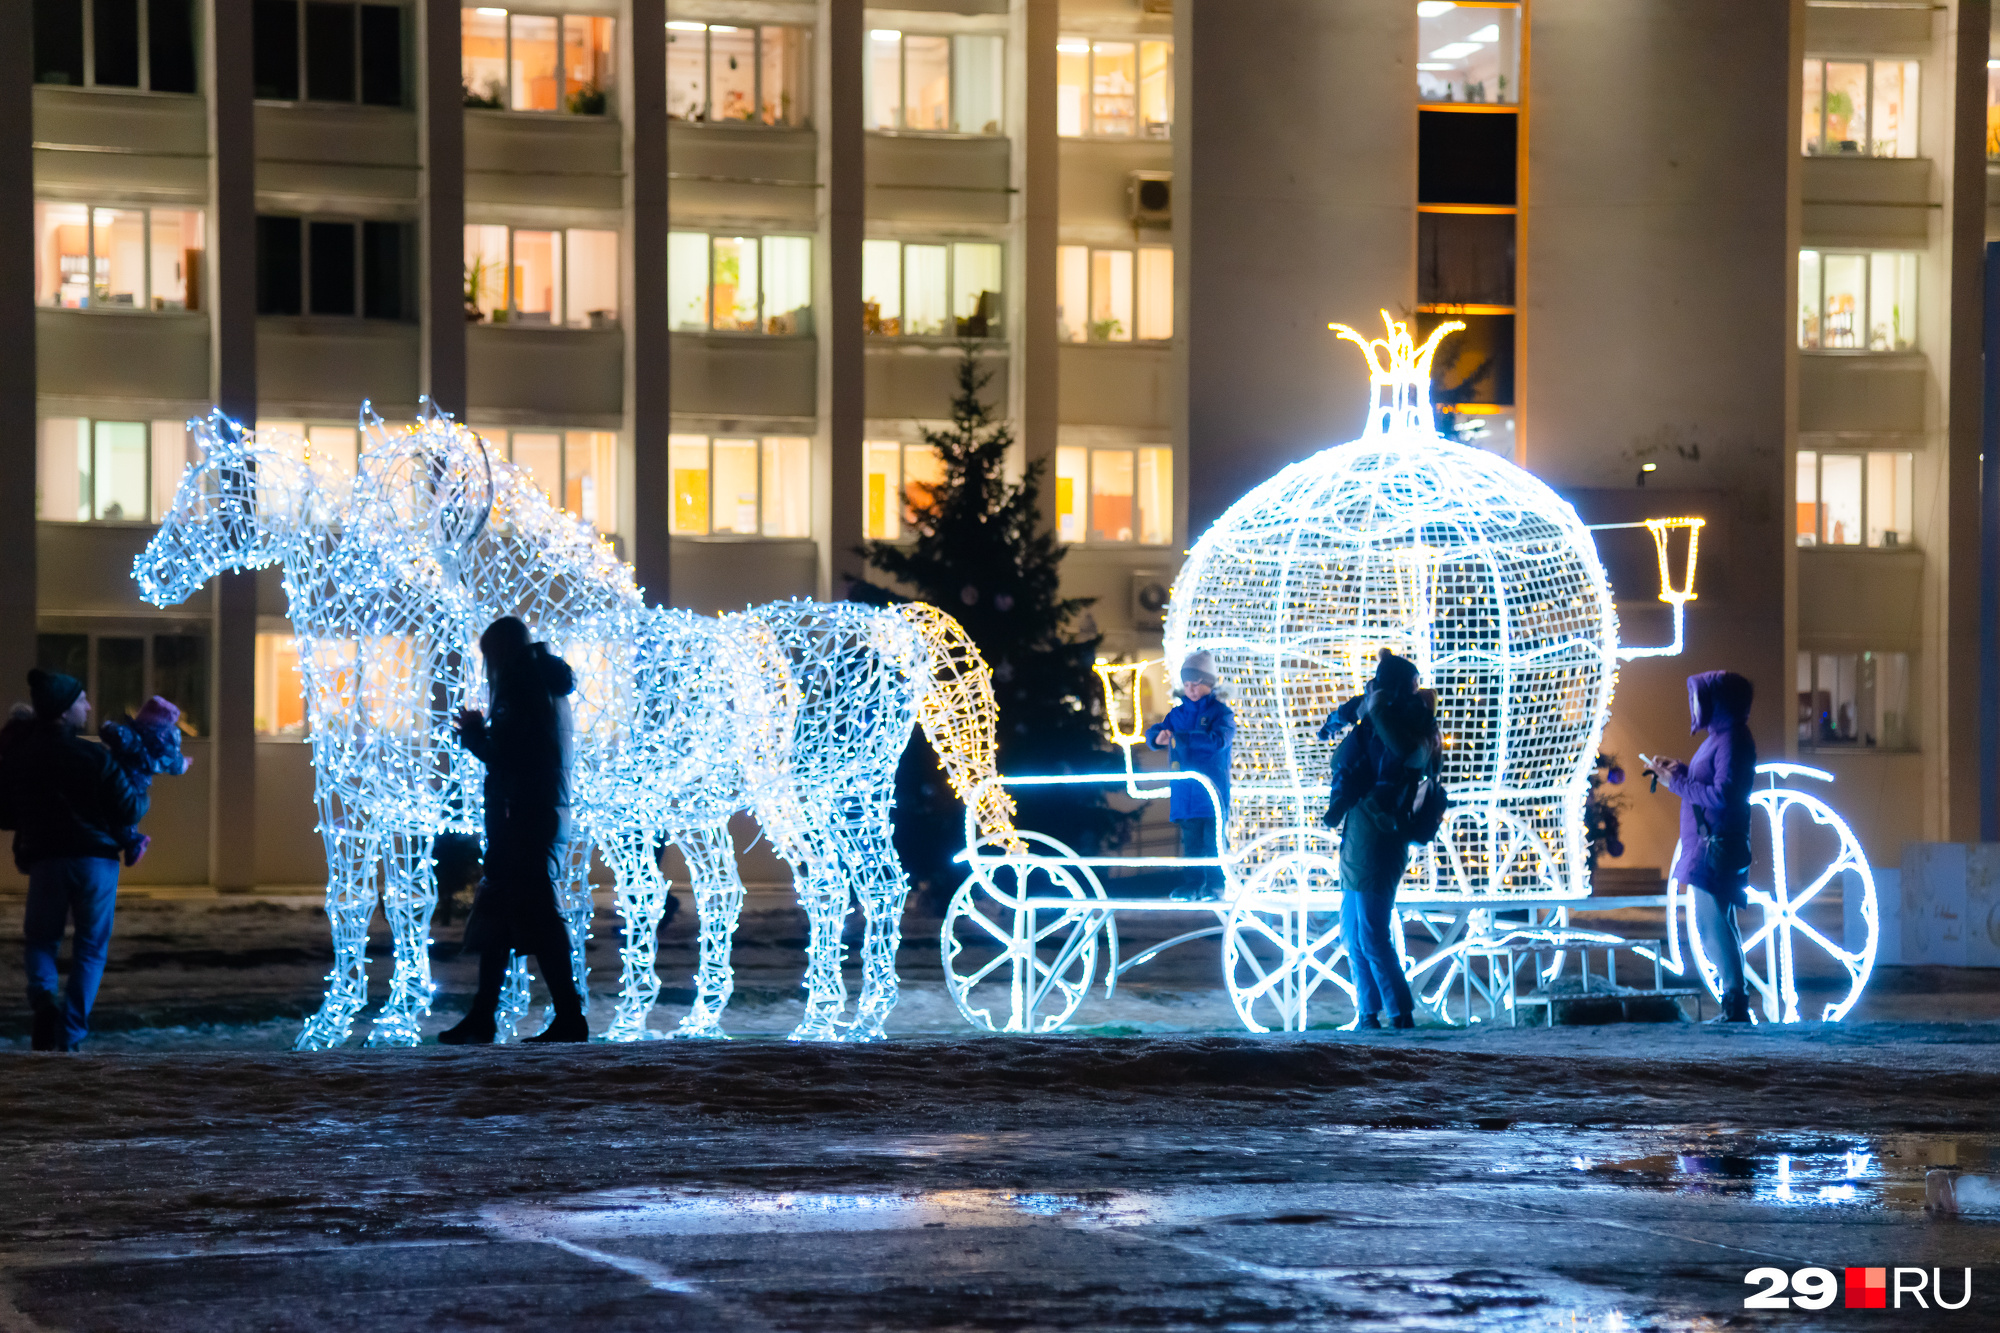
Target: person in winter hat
(1391, 742)
(526, 747)
(1715, 788)
(67, 801)
(1201, 732)
(146, 745)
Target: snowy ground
(189, 1173)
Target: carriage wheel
(1032, 970)
(1809, 846)
(1282, 943)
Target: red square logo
(1867, 1288)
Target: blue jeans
(1720, 941)
(1367, 923)
(1198, 840)
(60, 888)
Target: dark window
(180, 673)
(115, 28)
(329, 52)
(59, 42)
(67, 653)
(1476, 366)
(170, 53)
(1465, 157)
(383, 275)
(330, 252)
(121, 677)
(1465, 259)
(274, 37)
(382, 55)
(278, 268)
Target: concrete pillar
(232, 252)
(843, 217)
(1300, 209)
(17, 334)
(1036, 169)
(441, 205)
(1957, 673)
(648, 403)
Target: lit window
(1856, 499)
(1115, 495)
(915, 81)
(1854, 699)
(932, 289)
(740, 486)
(510, 61)
(89, 257)
(1857, 301)
(743, 284)
(157, 54)
(121, 671)
(333, 445)
(280, 689)
(1468, 53)
(576, 469)
(1860, 108)
(1114, 295)
(754, 75)
(900, 481)
(108, 471)
(1118, 89)
(564, 279)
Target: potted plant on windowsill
(478, 274)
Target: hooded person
(70, 805)
(525, 745)
(1391, 743)
(1715, 788)
(1201, 731)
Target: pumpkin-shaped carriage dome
(1457, 559)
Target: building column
(648, 330)
(441, 207)
(843, 220)
(1036, 169)
(232, 251)
(17, 334)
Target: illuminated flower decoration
(1460, 561)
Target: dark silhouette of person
(70, 805)
(525, 746)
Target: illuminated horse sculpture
(795, 712)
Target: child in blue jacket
(1200, 731)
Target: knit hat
(1395, 674)
(1199, 666)
(52, 692)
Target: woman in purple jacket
(1714, 788)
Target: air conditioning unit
(1150, 592)
(1149, 198)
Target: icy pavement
(1606, 1179)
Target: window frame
(1085, 502)
(950, 286)
(1871, 61)
(1868, 301)
(408, 276)
(154, 500)
(1138, 42)
(562, 16)
(763, 316)
(90, 207)
(762, 440)
(88, 11)
(192, 712)
(513, 307)
(1139, 309)
(1817, 743)
(902, 125)
(405, 58)
(1819, 541)
(802, 119)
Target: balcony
(752, 173)
(99, 354)
(747, 376)
(158, 142)
(1874, 202)
(325, 367)
(1869, 393)
(938, 178)
(311, 153)
(543, 160)
(1117, 384)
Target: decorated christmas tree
(982, 552)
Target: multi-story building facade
(706, 271)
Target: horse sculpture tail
(961, 718)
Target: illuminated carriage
(1489, 582)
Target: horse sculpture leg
(824, 893)
(718, 902)
(352, 858)
(879, 882)
(409, 897)
(578, 908)
(642, 901)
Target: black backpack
(1419, 810)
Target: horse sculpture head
(425, 489)
(239, 505)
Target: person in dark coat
(1201, 731)
(1715, 788)
(1391, 743)
(525, 746)
(69, 804)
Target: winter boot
(1735, 1008)
(48, 1030)
(564, 1027)
(1367, 1023)
(1403, 1021)
(569, 1023)
(475, 1029)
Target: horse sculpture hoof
(394, 1030)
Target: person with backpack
(1715, 788)
(1386, 795)
(1201, 731)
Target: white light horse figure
(795, 712)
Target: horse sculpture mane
(795, 713)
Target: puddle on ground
(1866, 1172)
